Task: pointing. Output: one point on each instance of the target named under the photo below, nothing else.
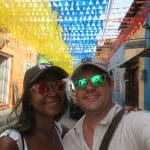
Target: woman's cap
(34, 72)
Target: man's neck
(90, 122)
(92, 119)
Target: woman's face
(48, 95)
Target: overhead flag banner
(81, 21)
(36, 25)
(64, 28)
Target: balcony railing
(138, 43)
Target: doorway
(4, 79)
(132, 86)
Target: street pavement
(3, 117)
(66, 120)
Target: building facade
(15, 59)
(131, 62)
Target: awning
(135, 59)
(127, 63)
(145, 53)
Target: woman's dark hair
(26, 119)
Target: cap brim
(62, 73)
(80, 66)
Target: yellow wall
(20, 55)
(129, 53)
(141, 84)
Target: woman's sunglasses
(44, 87)
(96, 80)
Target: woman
(44, 101)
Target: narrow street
(91, 54)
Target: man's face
(91, 98)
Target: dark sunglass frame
(96, 80)
(44, 87)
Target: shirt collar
(109, 117)
(107, 120)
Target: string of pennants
(81, 21)
(60, 26)
(34, 24)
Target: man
(93, 90)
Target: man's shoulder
(137, 116)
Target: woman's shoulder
(15, 135)
(10, 139)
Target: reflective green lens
(81, 83)
(96, 80)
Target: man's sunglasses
(44, 87)
(96, 80)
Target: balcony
(138, 43)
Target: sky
(117, 10)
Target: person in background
(104, 125)
(129, 107)
(44, 102)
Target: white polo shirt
(132, 133)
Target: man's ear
(112, 84)
(75, 101)
(74, 98)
